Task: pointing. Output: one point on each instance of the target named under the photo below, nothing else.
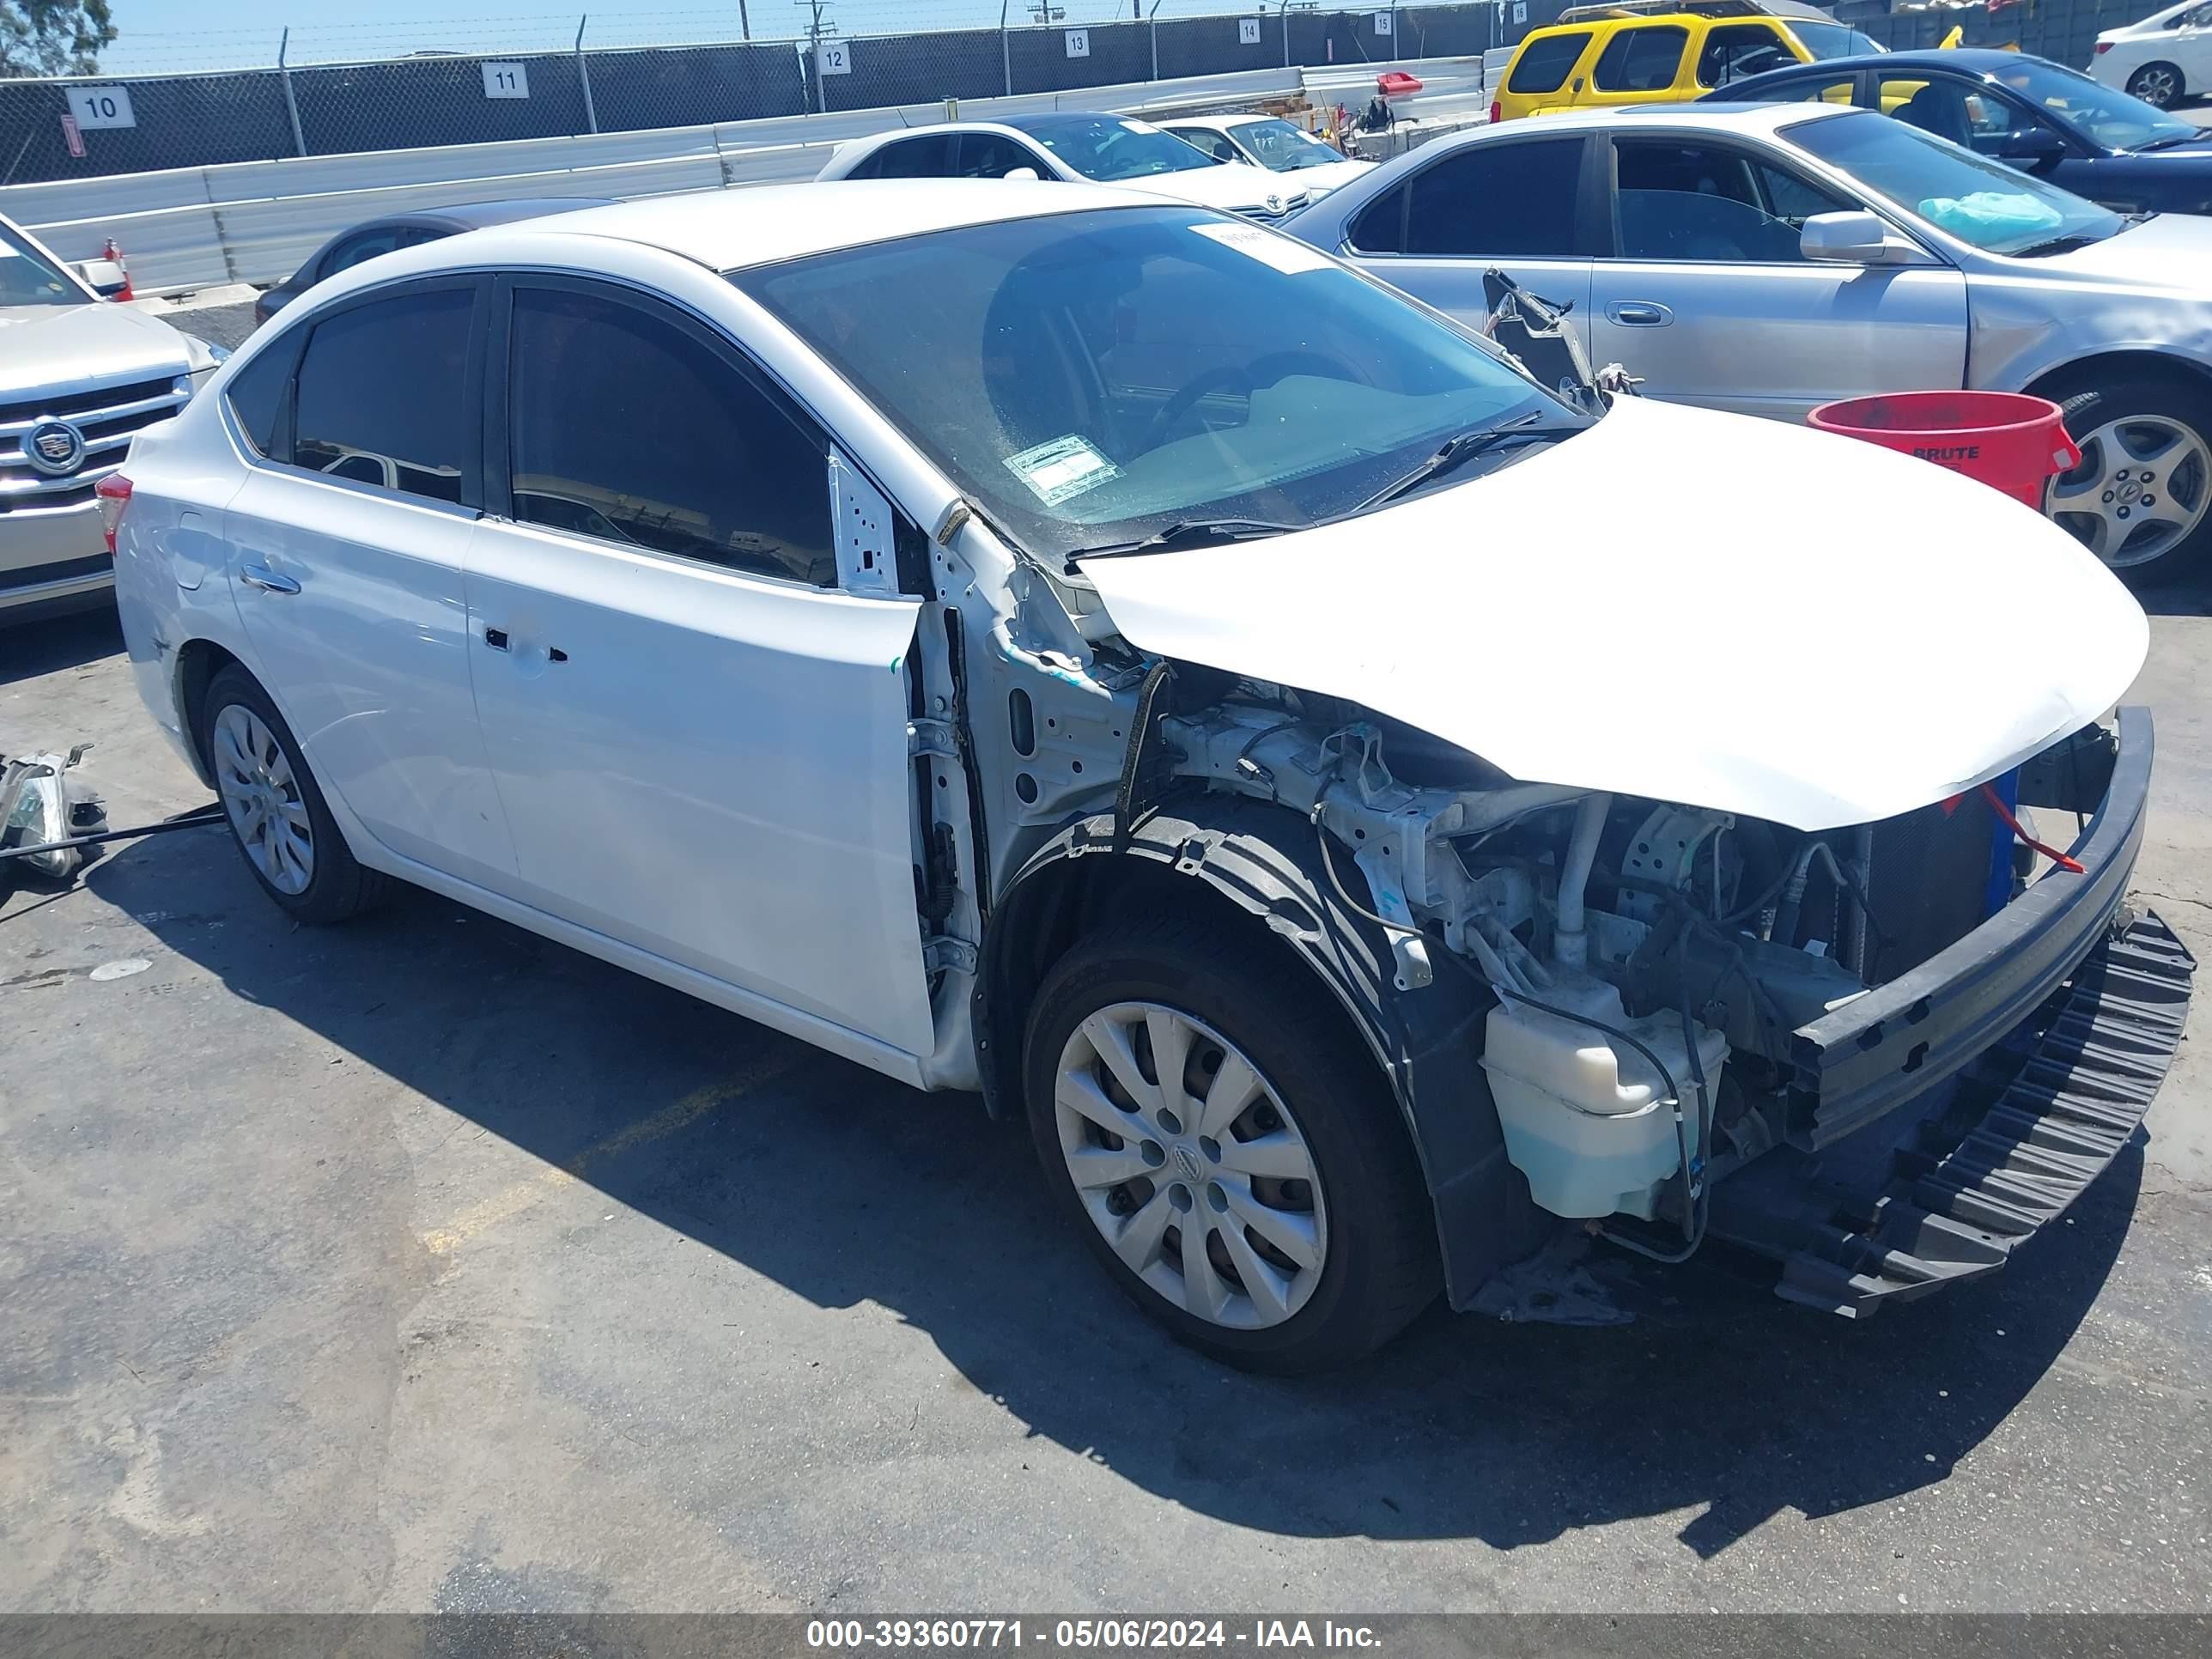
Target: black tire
(2162, 78)
(1381, 1267)
(338, 887)
(2091, 404)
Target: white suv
(1034, 639)
(2164, 59)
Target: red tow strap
(2004, 813)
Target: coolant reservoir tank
(1586, 1117)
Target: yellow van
(1664, 51)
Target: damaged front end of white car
(1657, 866)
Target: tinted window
(1111, 147)
(912, 158)
(382, 394)
(1691, 201)
(1209, 140)
(257, 393)
(1543, 64)
(1802, 90)
(990, 155)
(1733, 51)
(626, 426)
(29, 278)
(1497, 200)
(356, 249)
(1641, 60)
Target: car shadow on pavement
(844, 1187)
(2190, 596)
(49, 644)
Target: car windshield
(1106, 148)
(1281, 147)
(28, 277)
(1826, 40)
(1090, 379)
(2110, 117)
(1980, 201)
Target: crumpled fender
(1267, 862)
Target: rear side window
(382, 395)
(1733, 51)
(910, 158)
(625, 427)
(1641, 60)
(1494, 200)
(257, 395)
(1544, 65)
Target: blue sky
(200, 34)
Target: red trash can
(2007, 438)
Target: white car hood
(1227, 185)
(44, 346)
(1700, 608)
(1329, 175)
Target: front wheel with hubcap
(2157, 84)
(277, 813)
(1229, 1150)
(2142, 498)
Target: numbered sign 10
(95, 107)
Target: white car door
(1708, 299)
(1518, 205)
(344, 550)
(700, 740)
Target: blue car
(2093, 139)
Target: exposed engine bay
(1651, 963)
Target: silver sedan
(1767, 259)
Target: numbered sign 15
(507, 80)
(1382, 22)
(833, 58)
(1079, 43)
(101, 106)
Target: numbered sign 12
(507, 80)
(95, 107)
(833, 58)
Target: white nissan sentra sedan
(1365, 815)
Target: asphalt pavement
(425, 1265)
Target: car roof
(1763, 119)
(1219, 122)
(475, 215)
(727, 229)
(1961, 60)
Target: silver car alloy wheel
(1187, 1161)
(2155, 84)
(2142, 486)
(263, 800)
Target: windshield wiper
(2177, 138)
(1189, 532)
(1481, 440)
(2055, 245)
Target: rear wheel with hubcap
(2158, 84)
(2142, 498)
(1228, 1150)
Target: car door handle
(260, 576)
(495, 638)
(1639, 314)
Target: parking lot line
(511, 1202)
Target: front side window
(1641, 60)
(626, 426)
(1823, 42)
(1497, 200)
(357, 250)
(1090, 379)
(993, 155)
(1213, 143)
(2110, 117)
(1544, 64)
(1983, 203)
(1109, 148)
(28, 277)
(382, 395)
(1689, 202)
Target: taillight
(1495, 115)
(110, 251)
(113, 492)
(2100, 48)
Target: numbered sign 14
(1248, 31)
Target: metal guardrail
(255, 222)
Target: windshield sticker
(1269, 249)
(1066, 466)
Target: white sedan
(1099, 149)
(2164, 59)
(1049, 641)
(1270, 141)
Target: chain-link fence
(64, 129)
